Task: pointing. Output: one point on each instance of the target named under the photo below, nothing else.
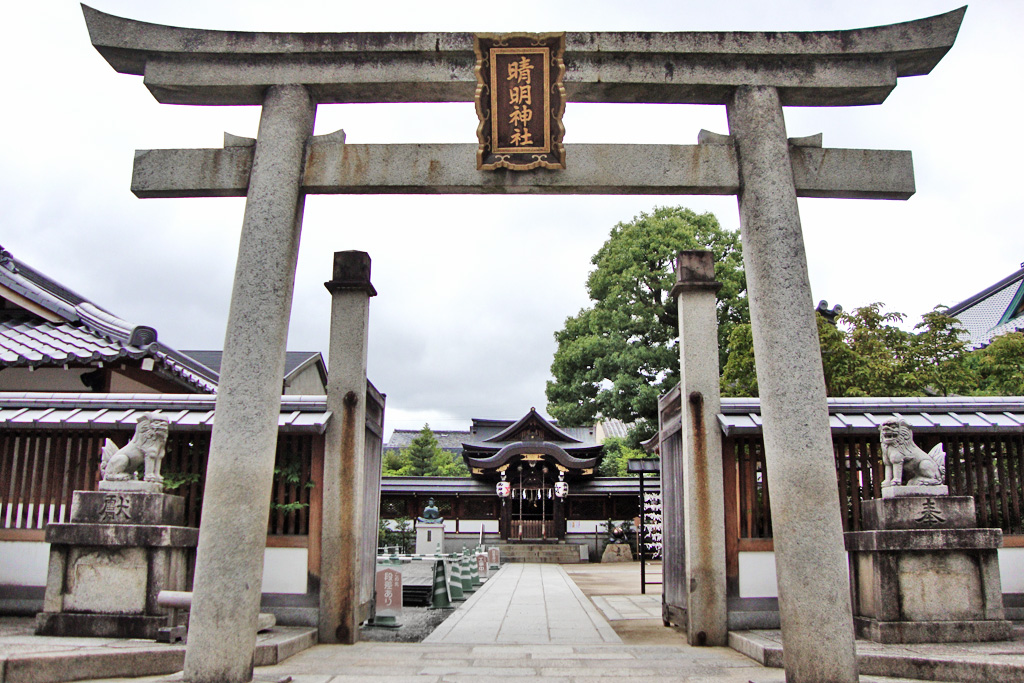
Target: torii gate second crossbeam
(753, 74)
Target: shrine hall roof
(492, 435)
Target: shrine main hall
(531, 481)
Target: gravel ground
(415, 624)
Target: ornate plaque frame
(520, 100)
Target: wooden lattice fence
(988, 466)
(40, 470)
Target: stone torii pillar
(752, 74)
(239, 474)
(813, 579)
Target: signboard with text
(389, 592)
(481, 565)
(520, 100)
(494, 558)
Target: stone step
(88, 659)
(542, 553)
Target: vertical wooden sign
(481, 565)
(520, 100)
(389, 592)
(494, 558)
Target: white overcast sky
(471, 289)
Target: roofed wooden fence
(40, 469)
(50, 447)
(988, 466)
(983, 438)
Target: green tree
(739, 375)
(838, 360)
(882, 362)
(421, 452)
(615, 357)
(999, 367)
(447, 464)
(867, 354)
(615, 456)
(424, 457)
(940, 351)
(397, 532)
(394, 465)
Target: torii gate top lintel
(818, 68)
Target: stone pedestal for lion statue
(124, 544)
(920, 570)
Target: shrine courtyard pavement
(578, 623)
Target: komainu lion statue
(905, 463)
(146, 449)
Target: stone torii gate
(752, 74)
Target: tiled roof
(584, 435)
(613, 428)
(484, 430)
(980, 314)
(185, 368)
(33, 344)
(33, 410)
(741, 416)
(50, 325)
(293, 360)
(449, 440)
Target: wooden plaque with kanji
(520, 100)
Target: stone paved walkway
(533, 621)
(526, 604)
(624, 607)
(441, 662)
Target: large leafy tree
(615, 357)
(999, 367)
(882, 362)
(940, 351)
(615, 457)
(867, 354)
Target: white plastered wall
(1011, 569)
(285, 570)
(472, 526)
(23, 563)
(757, 573)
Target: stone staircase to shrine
(541, 553)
